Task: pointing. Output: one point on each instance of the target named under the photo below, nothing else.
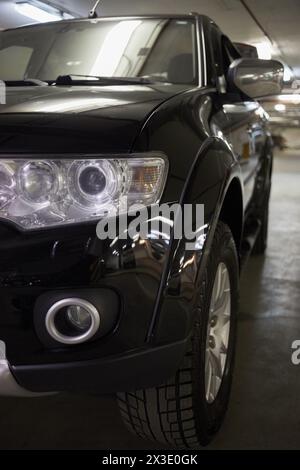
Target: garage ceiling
(277, 20)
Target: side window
(216, 51)
(218, 63)
(229, 53)
(210, 61)
(223, 53)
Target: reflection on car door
(243, 130)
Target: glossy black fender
(203, 169)
(213, 173)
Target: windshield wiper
(75, 79)
(26, 82)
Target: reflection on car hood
(78, 99)
(65, 119)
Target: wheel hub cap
(218, 329)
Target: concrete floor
(264, 412)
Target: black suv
(155, 109)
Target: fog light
(79, 317)
(72, 321)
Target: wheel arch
(231, 212)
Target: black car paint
(155, 282)
(77, 120)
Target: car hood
(77, 119)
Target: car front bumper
(38, 265)
(134, 370)
(8, 384)
(127, 372)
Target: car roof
(107, 18)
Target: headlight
(37, 193)
(37, 181)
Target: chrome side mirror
(255, 77)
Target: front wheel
(187, 410)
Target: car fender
(212, 172)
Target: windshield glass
(157, 48)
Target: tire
(262, 237)
(179, 413)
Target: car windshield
(158, 49)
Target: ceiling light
(291, 98)
(280, 107)
(40, 11)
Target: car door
(243, 129)
(242, 116)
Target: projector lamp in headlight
(37, 181)
(93, 183)
(92, 180)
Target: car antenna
(93, 13)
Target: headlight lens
(37, 181)
(38, 193)
(94, 182)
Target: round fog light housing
(72, 321)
